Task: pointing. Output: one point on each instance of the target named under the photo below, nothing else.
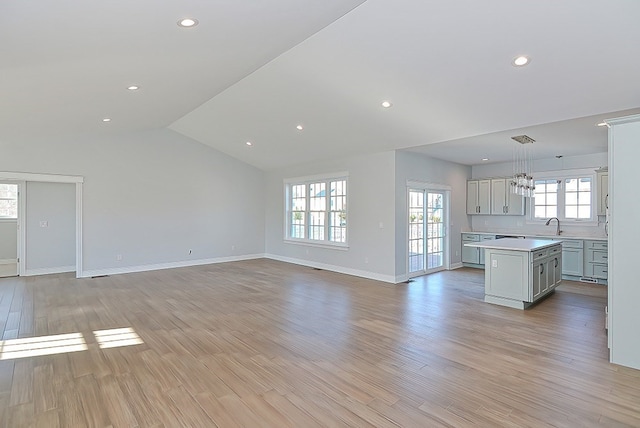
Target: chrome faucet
(558, 231)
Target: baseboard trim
(456, 266)
(170, 265)
(333, 268)
(49, 271)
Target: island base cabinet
(506, 278)
(517, 279)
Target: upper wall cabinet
(479, 197)
(503, 201)
(602, 183)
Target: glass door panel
(436, 230)
(416, 231)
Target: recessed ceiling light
(521, 61)
(188, 22)
(299, 127)
(106, 119)
(386, 104)
(485, 159)
(133, 87)
(249, 143)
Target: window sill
(318, 244)
(570, 223)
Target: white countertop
(514, 244)
(541, 236)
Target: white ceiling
(253, 70)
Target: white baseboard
(334, 268)
(49, 271)
(170, 265)
(455, 266)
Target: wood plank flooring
(267, 344)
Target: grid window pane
(9, 201)
(546, 198)
(318, 211)
(578, 198)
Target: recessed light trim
(106, 119)
(521, 61)
(249, 143)
(485, 159)
(386, 104)
(187, 22)
(299, 127)
(133, 87)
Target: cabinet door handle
(606, 201)
(556, 262)
(541, 269)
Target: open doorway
(53, 215)
(9, 229)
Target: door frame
(19, 220)
(426, 186)
(47, 178)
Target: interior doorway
(46, 227)
(428, 226)
(9, 228)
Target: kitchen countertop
(514, 244)
(541, 236)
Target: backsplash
(518, 225)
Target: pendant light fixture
(522, 181)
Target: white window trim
(308, 180)
(562, 175)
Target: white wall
(518, 224)
(370, 205)
(50, 249)
(8, 240)
(416, 167)
(151, 197)
(624, 210)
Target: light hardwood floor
(268, 344)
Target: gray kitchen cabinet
(596, 259)
(572, 257)
(481, 250)
(478, 197)
(503, 201)
(602, 186)
(470, 254)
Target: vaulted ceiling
(251, 71)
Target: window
(570, 198)
(8, 201)
(317, 210)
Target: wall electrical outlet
(494, 263)
(119, 257)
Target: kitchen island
(518, 272)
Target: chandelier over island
(522, 180)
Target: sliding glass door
(427, 231)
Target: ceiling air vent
(523, 139)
